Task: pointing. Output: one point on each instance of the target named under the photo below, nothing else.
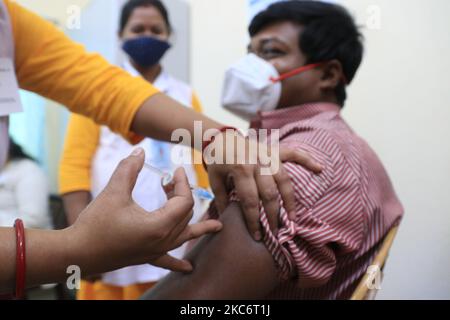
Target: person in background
(92, 152)
(24, 191)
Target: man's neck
(327, 98)
(281, 117)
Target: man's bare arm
(227, 265)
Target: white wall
(177, 60)
(55, 10)
(219, 38)
(399, 102)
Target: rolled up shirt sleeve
(50, 64)
(305, 250)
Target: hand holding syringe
(168, 177)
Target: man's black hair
(131, 5)
(329, 33)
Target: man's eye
(271, 53)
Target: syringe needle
(167, 178)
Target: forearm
(75, 203)
(160, 116)
(48, 254)
(7, 257)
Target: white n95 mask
(253, 85)
(248, 88)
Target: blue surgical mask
(146, 51)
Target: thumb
(125, 176)
(179, 186)
(179, 194)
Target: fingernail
(137, 152)
(258, 236)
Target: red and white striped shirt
(343, 213)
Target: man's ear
(333, 74)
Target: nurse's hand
(255, 182)
(114, 232)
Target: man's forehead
(281, 31)
(284, 32)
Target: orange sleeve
(202, 175)
(50, 64)
(82, 140)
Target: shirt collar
(279, 118)
(162, 82)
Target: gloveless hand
(114, 232)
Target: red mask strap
(301, 70)
(296, 72)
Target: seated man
(342, 214)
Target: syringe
(168, 177)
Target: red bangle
(20, 259)
(206, 143)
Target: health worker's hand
(264, 181)
(114, 232)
